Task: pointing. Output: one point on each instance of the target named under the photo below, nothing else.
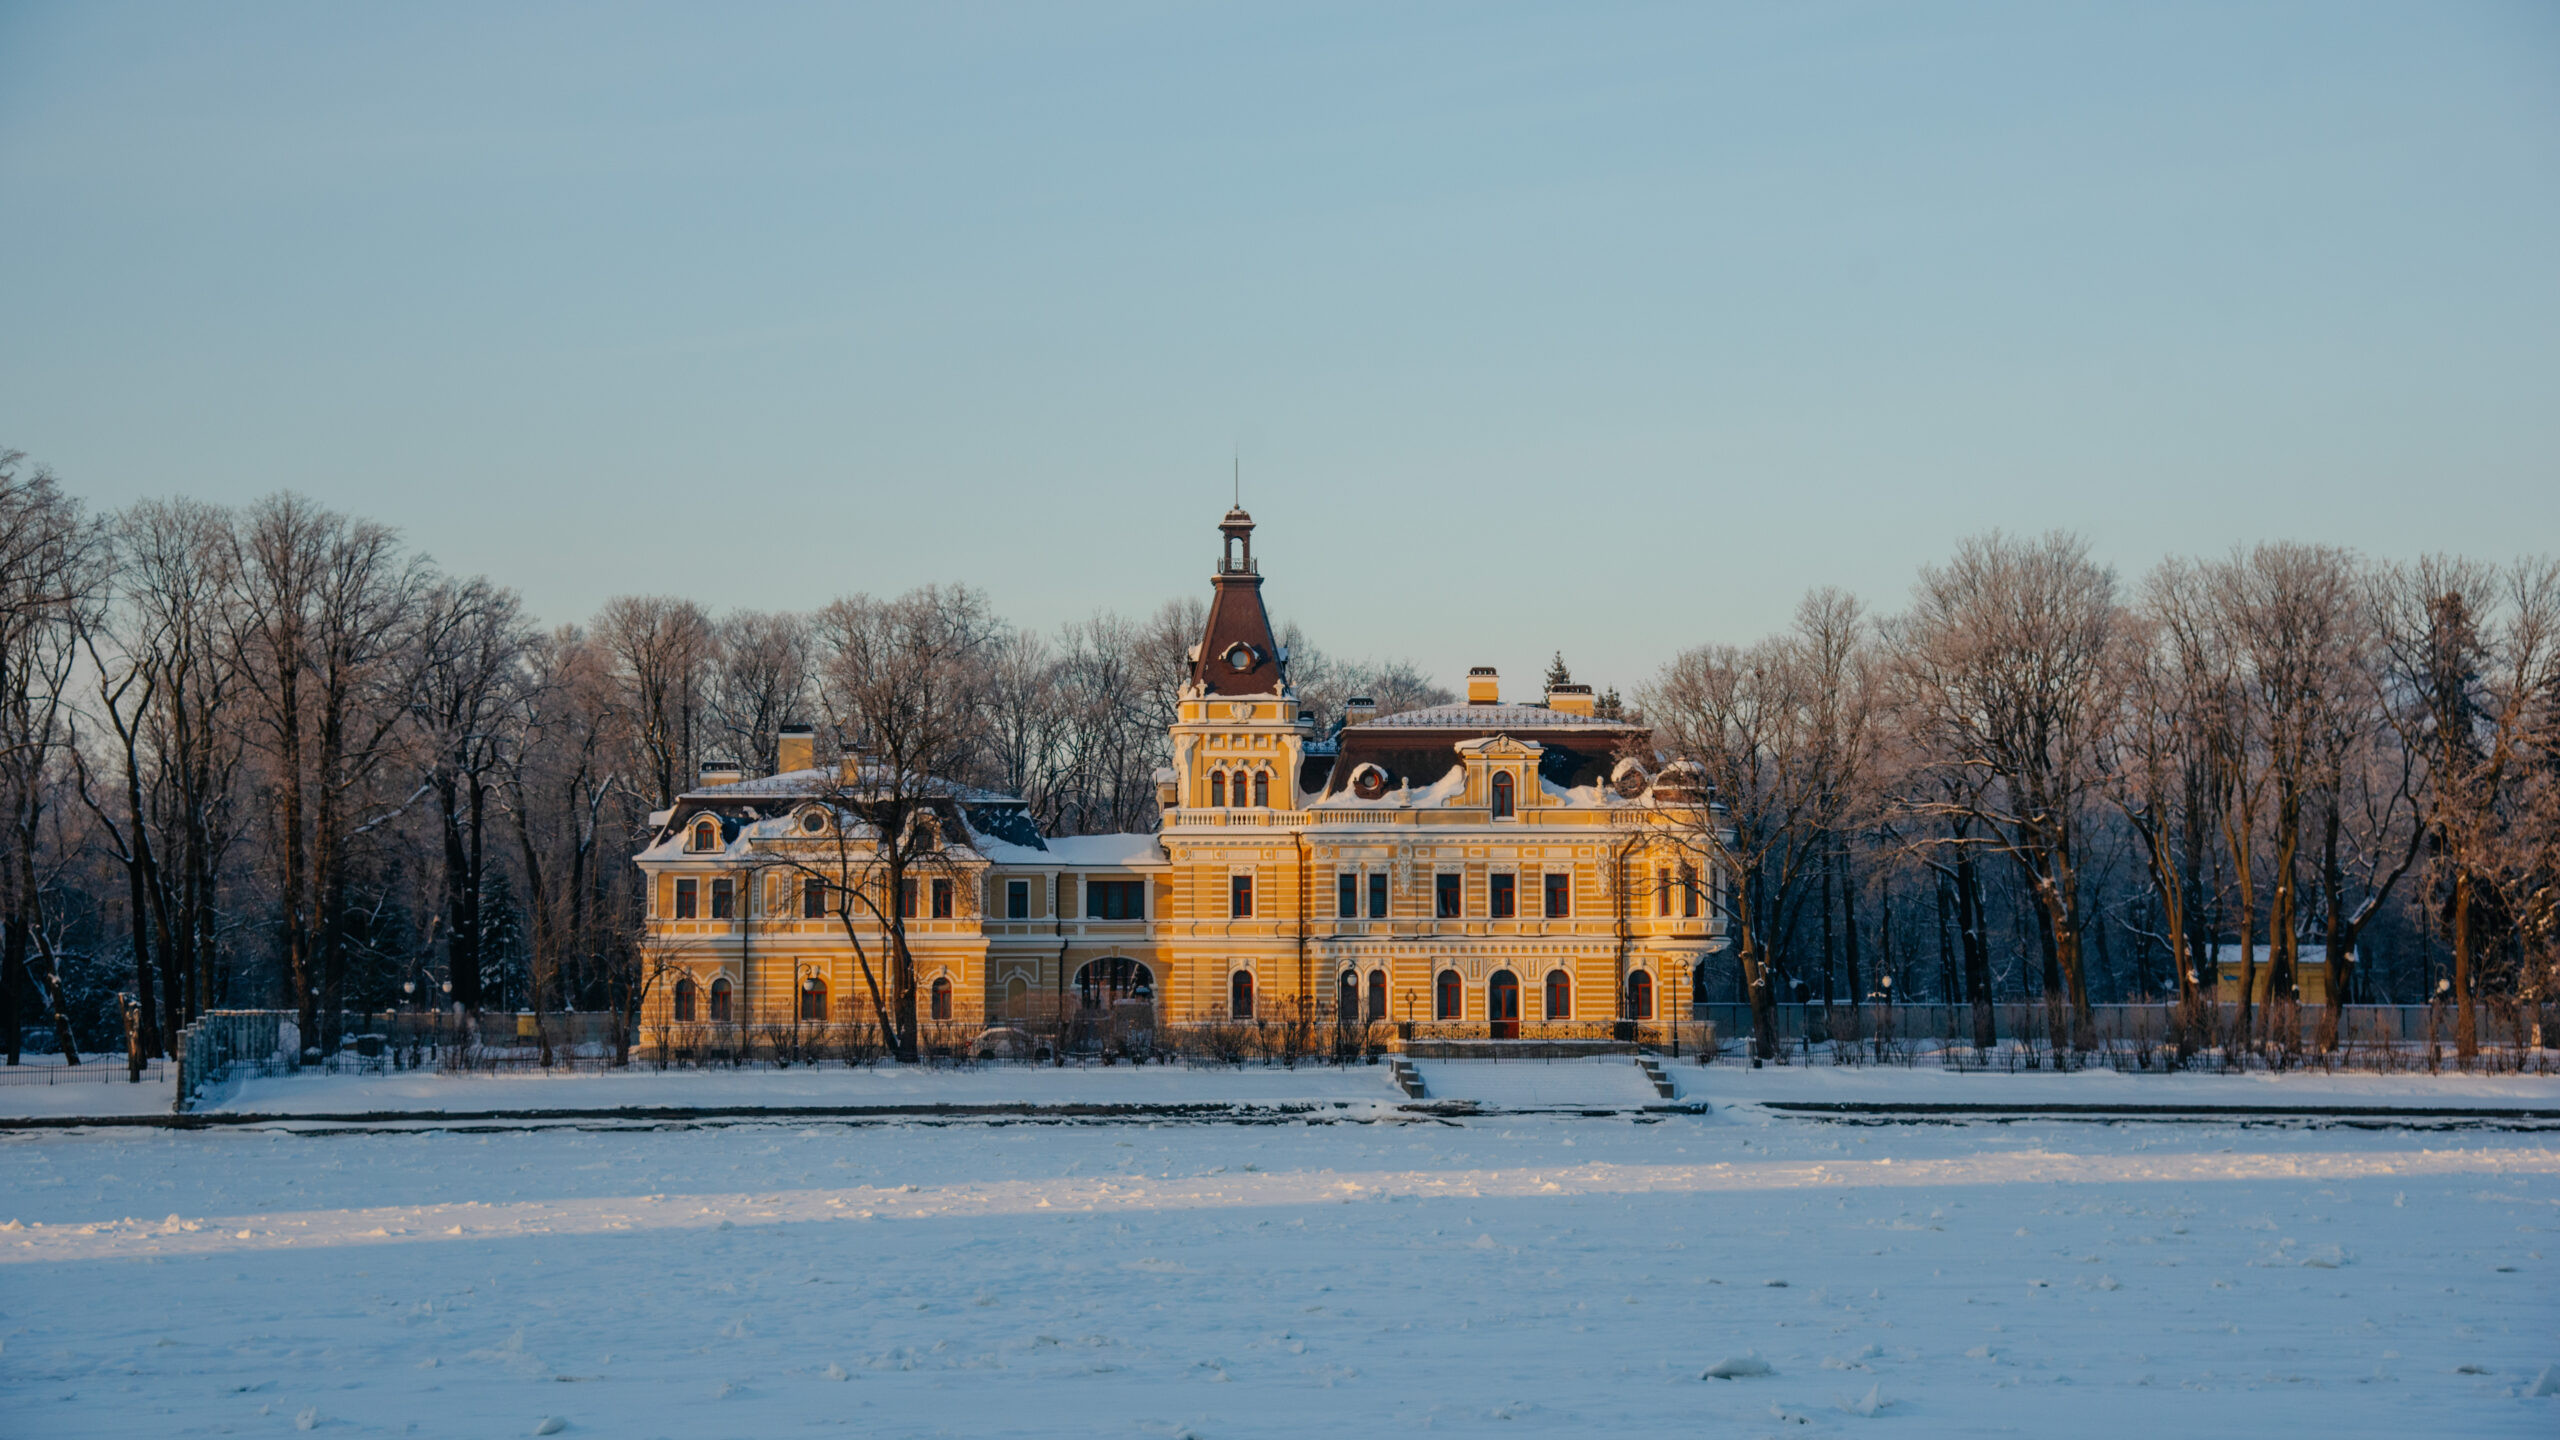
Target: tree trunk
(1849, 937)
(2466, 1023)
(1977, 951)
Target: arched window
(1377, 994)
(720, 1001)
(1262, 789)
(1017, 999)
(1639, 996)
(1559, 995)
(1218, 787)
(706, 836)
(1240, 995)
(687, 997)
(813, 999)
(942, 997)
(1450, 998)
(1502, 795)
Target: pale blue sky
(1601, 328)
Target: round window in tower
(1240, 657)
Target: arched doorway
(1446, 993)
(1639, 995)
(1502, 1005)
(1377, 995)
(1113, 981)
(720, 1001)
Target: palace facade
(1488, 868)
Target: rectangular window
(1446, 889)
(941, 899)
(724, 899)
(686, 890)
(1378, 896)
(1689, 890)
(1506, 896)
(1346, 896)
(907, 899)
(1115, 899)
(813, 898)
(1661, 892)
(1559, 894)
(1017, 899)
(1240, 896)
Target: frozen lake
(1512, 1274)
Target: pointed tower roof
(1238, 655)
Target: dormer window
(814, 822)
(706, 835)
(1502, 795)
(1240, 656)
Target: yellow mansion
(1484, 869)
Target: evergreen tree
(1557, 674)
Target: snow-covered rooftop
(1506, 717)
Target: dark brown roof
(1236, 617)
(1575, 751)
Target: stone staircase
(1407, 1078)
(1652, 1069)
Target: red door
(1502, 1005)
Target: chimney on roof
(795, 748)
(859, 767)
(1570, 699)
(1359, 710)
(716, 773)
(1484, 687)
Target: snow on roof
(1490, 717)
(825, 779)
(1074, 850)
(1122, 849)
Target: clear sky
(1601, 328)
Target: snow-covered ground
(1506, 1274)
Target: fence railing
(2014, 1020)
(223, 1043)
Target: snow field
(1510, 1274)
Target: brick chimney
(1484, 686)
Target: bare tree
(908, 679)
(2007, 664)
(663, 650)
(1752, 722)
(49, 572)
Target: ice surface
(1507, 1274)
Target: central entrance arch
(1113, 981)
(1502, 1005)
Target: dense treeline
(2036, 782)
(273, 757)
